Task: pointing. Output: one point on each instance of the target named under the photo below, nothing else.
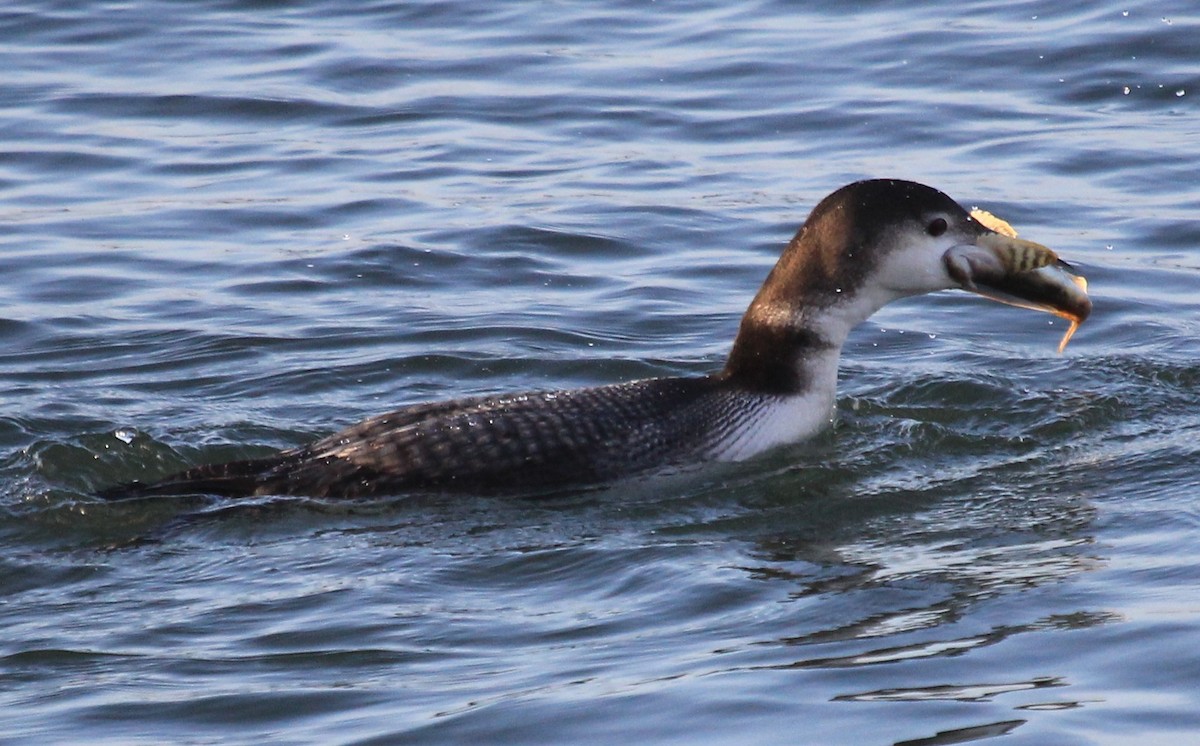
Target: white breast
(780, 420)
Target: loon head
(873, 242)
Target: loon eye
(936, 227)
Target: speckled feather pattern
(520, 441)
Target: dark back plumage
(515, 442)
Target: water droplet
(1180, 92)
(1126, 90)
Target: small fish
(991, 222)
(1032, 270)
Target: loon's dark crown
(846, 235)
(828, 260)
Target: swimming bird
(865, 245)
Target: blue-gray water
(231, 226)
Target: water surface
(231, 227)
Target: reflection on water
(238, 230)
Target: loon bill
(865, 245)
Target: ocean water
(233, 226)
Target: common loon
(865, 245)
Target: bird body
(865, 245)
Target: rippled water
(234, 226)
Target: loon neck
(792, 334)
(783, 357)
